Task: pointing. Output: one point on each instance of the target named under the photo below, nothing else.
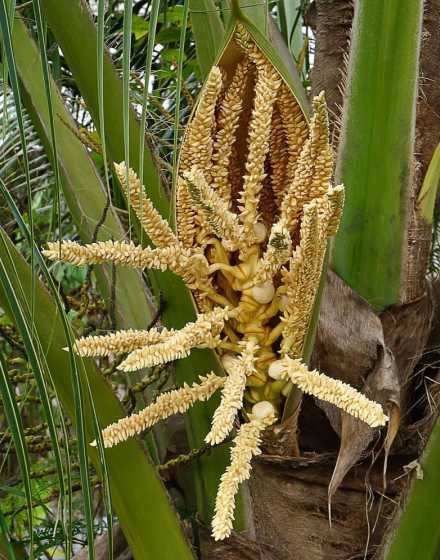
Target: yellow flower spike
(154, 225)
(336, 204)
(295, 129)
(266, 89)
(278, 155)
(190, 266)
(202, 333)
(314, 168)
(246, 446)
(173, 402)
(228, 119)
(197, 147)
(213, 210)
(186, 215)
(301, 279)
(233, 392)
(331, 390)
(279, 250)
(120, 342)
(197, 151)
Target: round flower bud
(260, 231)
(228, 361)
(263, 293)
(276, 369)
(262, 409)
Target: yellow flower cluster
(278, 252)
(278, 155)
(301, 279)
(295, 129)
(118, 252)
(314, 167)
(255, 210)
(196, 151)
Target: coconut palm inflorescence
(255, 209)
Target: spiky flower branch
(254, 214)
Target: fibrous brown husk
(290, 508)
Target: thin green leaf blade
(428, 192)
(75, 32)
(15, 424)
(418, 532)
(179, 90)
(148, 61)
(290, 21)
(6, 13)
(107, 496)
(126, 55)
(100, 81)
(45, 70)
(208, 31)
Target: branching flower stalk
(173, 402)
(255, 210)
